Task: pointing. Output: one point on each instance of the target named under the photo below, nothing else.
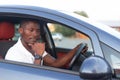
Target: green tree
(67, 31)
(82, 13)
(64, 30)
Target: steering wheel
(81, 47)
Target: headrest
(6, 30)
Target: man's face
(30, 33)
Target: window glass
(16, 35)
(65, 37)
(112, 56)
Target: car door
(80, 34)
(20, 71)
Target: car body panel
(20, 71)
(98, 34)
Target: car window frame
(60, 19)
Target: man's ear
(20, 30)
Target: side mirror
(96, 68)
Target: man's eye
(31, 30)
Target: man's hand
(38, 48)
(84, 49)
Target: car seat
(6, 34)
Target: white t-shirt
(19, 53)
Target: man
(29, 50)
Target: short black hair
(25, 21)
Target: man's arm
(50, 61)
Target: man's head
(30, 31)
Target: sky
(100, 10)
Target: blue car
(100, 62)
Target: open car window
(59, 40)
(65, 37)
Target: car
(57, 36)
(100, 62)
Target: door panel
(12, 71)
(61, 51)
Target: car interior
(9, 35)
(6, 34)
